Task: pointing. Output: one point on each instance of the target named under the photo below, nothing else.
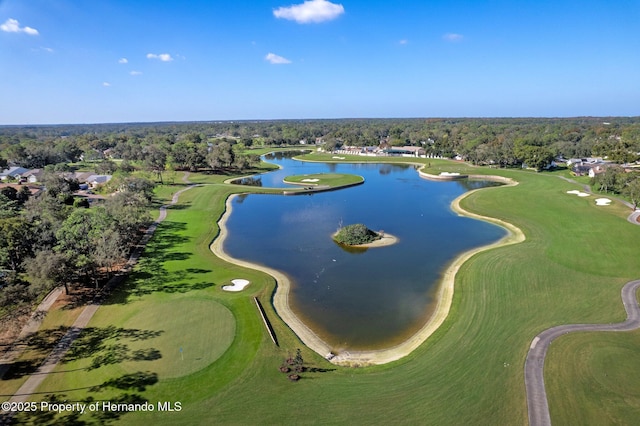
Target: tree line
(501, 141)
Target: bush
(356, 234)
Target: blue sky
(93, 61)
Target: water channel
(358, 299)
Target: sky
(98, 61)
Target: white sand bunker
(310, 180)
(602, 201)
(449, 174)
(578, 193)
(338, 158)
(237, 285)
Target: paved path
(32, 325)
(533, 368)
(50, 363)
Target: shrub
(355, 234)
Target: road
(534, 365)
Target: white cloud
(310, 11)
(106, 84)
(403, 42)
(453, 37)
(164, 57)
(13, 26)
(123, 61)
(276, 59)
(43, 49)
(135, 72)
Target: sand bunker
(338, 158)
(237, 285)
(310, 180)
(602, 201)
(578, 193)
(449, 174)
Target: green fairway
(333, 180)
(570, 269)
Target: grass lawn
(334, 180)
(571, 268)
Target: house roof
(33, 188)
(33, 172)
(99, 179)
(14, 171)
(82, 176)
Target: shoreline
(283, 285)
(380, 356)
(384, 241)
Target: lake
(366, 298)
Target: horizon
(151, 62)
(251, 120)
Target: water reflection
(357, 298)
(249, 181)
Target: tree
(45, 214)
(355, 234)
(10, 192)
(106, 167)
(8, 207)
(110, 249)
(23, 195)
(536, 157)
(632, 190)
(15, 242)
(155, 160)
(129, 213)
(47, 269)
(221, 156)
(611, 179)
(75, 241)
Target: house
(596, 170)
(81, 177)
(13, 173)
(33, 175)
(95, 180)
(583, 166)
(405, 151)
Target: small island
(358, 235)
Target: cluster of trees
(216, 145)
(154, 153)
(50, 239)
(355, 234)
(614, 179)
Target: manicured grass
(594, 367)
(332, 180)
(570, 269)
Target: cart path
(537, 404)
(49, 364)
(32, 325)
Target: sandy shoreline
(384, 241)
(283, 285)
(382, 356)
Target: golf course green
(333, 180)
(171, 334)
